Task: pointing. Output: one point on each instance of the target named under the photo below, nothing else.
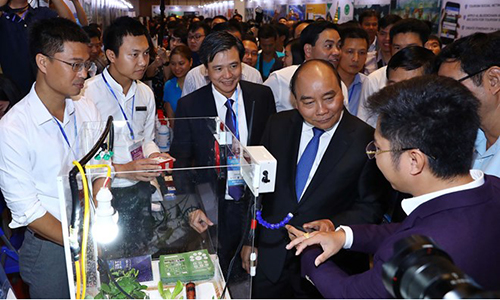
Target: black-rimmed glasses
(75, 66)
(473, 74)
(372, 150)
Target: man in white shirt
(353, 53)
(38, 139)
(118, 92)
(474, 61)
(319, 40)
(369, 22)
(430, 160)
(407, 32)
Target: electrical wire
(86, 223)
(78, 279)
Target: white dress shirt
(33, 152)
(371, 58)
(410, 204)
(239, 109)
(198, 77)
(373, 83)
(306, 136)
(279, 82)
(139, 107)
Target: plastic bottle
(164, 136)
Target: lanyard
(64, 133)
(121, 108)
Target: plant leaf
(178, 289)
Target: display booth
(138, 240)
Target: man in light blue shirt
(474, 61)
(353, 53)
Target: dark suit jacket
(464, 224)
(347, 187)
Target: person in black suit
(340, 185)
(245, 108)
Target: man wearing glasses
(196, 34)
(38, 139)
(423, 145)
(474, 61)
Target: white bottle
(164, 136)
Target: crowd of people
(324, 99)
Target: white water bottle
(164, 136)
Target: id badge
(136, 150)
(234, 177)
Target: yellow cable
(78, 279)
(86, 222)
(100, 166)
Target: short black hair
(92, 32)
(267, 31)
(120, 28)
(297, 52)
(411, 26)
(237, 15)
(388, 20)
(354, 33)
(220, 17)
(280, 18)
(475, 52)
(434, 114)
(227, 26)
(197, 25)
(251, 38)
(412, 58)
(9, 91)
(293, 81)
(368, 13)
(348, 25)
(49, 35)
(311, 33)
(181, 32)
(434, 37)
(216, 42)
(282, 30)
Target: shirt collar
(410, 204)
(480, 145)
(41, 113)
(220, 100)
(117, 88)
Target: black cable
(238, 250)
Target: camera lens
(419, 269)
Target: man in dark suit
(340, 184)
(423, 145)
(245, 108)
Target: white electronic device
(258, 168)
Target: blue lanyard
(121, 108)
(64, 133)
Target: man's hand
(245, 257)
(164, 155)
(320, 225)
(199, 221)
(331, 242)
(145, 169)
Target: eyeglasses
(195, 37)
(473, 74)
(372, 150)
(76, 66)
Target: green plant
(166, 294)
(127, 280)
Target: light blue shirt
(487, 161)
(355, 93)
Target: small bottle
(164, 136)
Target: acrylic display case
(154, 230)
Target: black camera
(420, 269)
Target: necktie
(306, 161)
(235, 191)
